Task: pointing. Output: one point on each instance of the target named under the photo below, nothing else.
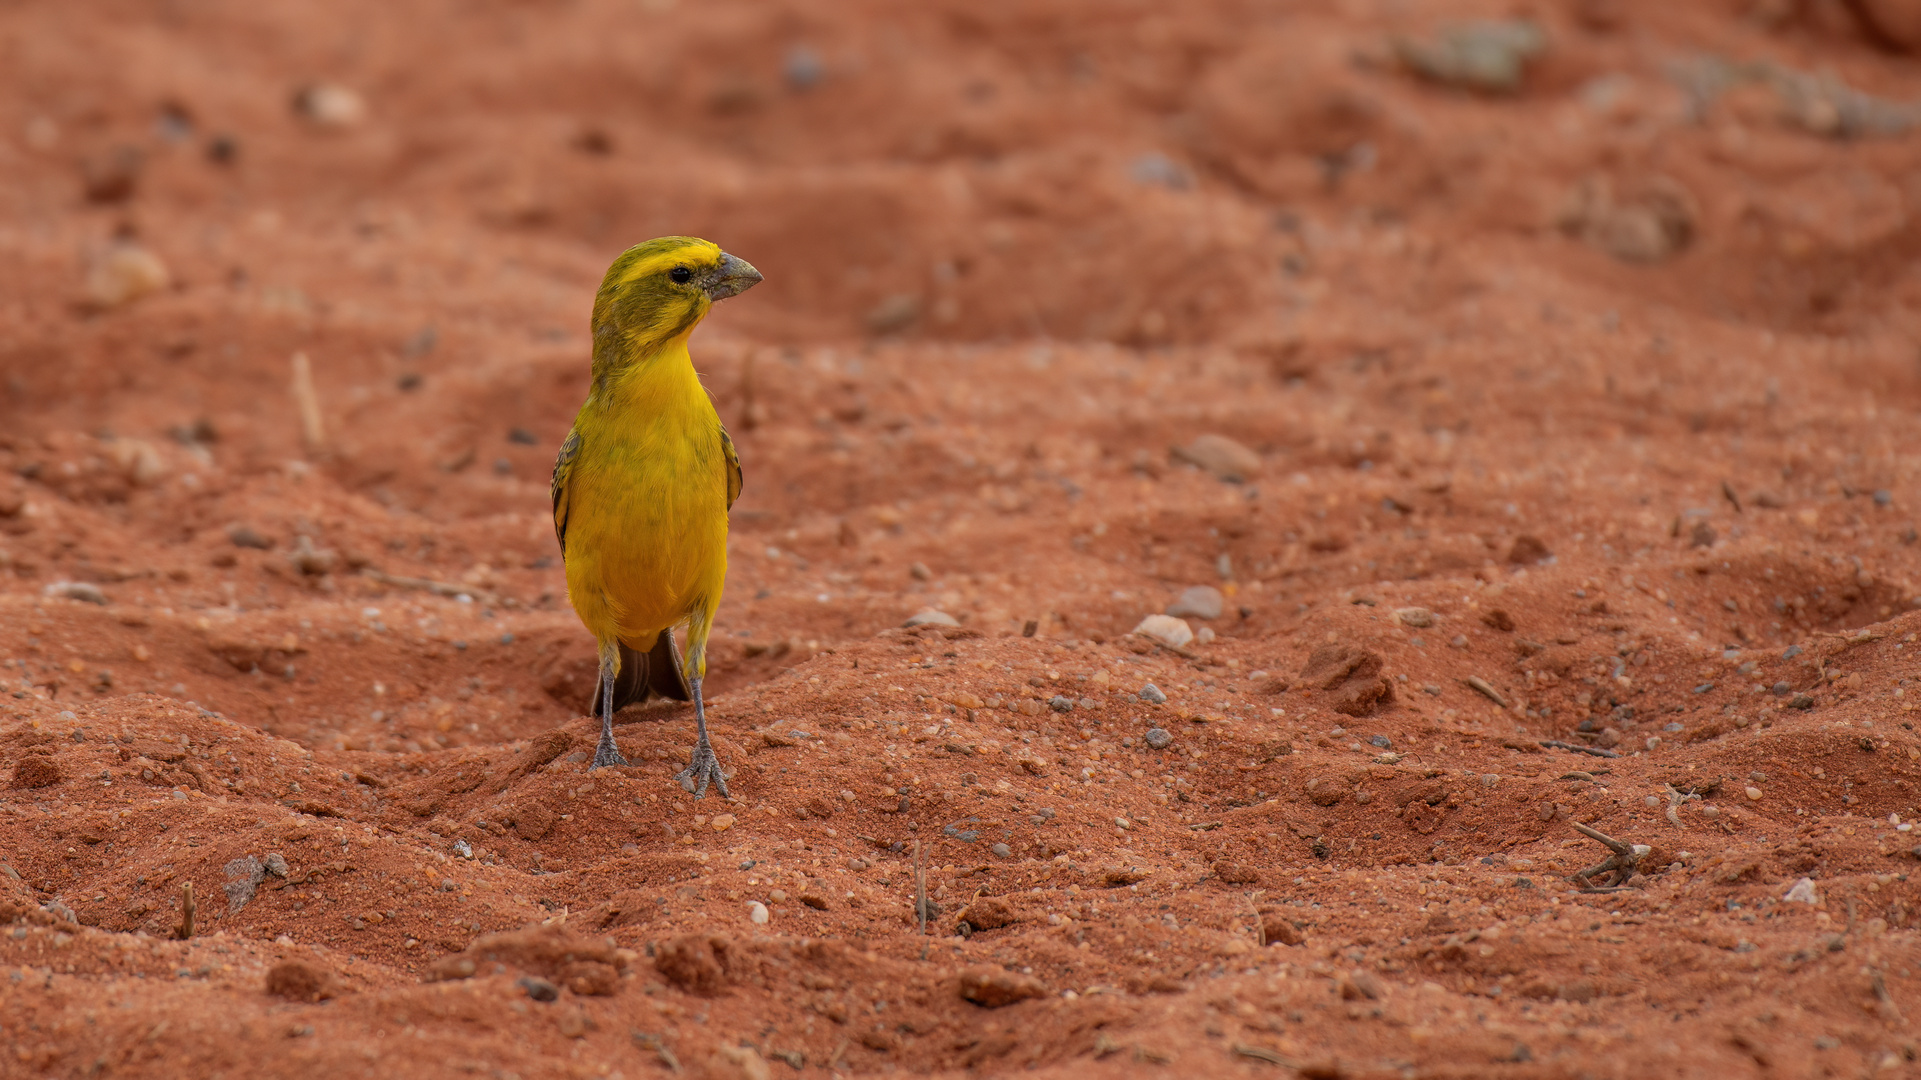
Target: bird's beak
(734, 276)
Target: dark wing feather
(734, 479)
(563, 468)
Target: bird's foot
(606, 754)
(704, 769)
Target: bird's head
(660, 290)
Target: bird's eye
(681, 275)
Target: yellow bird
(643, 485)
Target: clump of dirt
(1499, 442)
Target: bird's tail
(655, 674)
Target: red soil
(1592, 393)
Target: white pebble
(757, 912)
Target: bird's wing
(563, 468)
(733, 467)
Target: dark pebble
(539, 989)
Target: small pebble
(1226, 459)
(330, 106)
(1165, 629)
(125, 273)
(1197, 602)
(1382, 741)
(1781, 689)
(1153, 696)
(803, 68)
(1060, 704)
(1003, 851)
(757, 913)
(538, 989)
(1158, 738)
(1417, 617)
(723, 822)
(1754, 793)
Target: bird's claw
(606, 754)
(705, 768)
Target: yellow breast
(647, 504)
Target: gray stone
(1061, 704)
(1197, 602)
(1488, 55)
(1158, 738)
(1152, 695)
(245, 873)
(930, 617)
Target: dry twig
(1486, 689)
(184, 931)
(1556, 744)
(1618, 867)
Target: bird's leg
(705, 767)
(606, 753)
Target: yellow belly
(647, 518)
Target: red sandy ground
(985, 322)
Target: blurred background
(270, 271)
